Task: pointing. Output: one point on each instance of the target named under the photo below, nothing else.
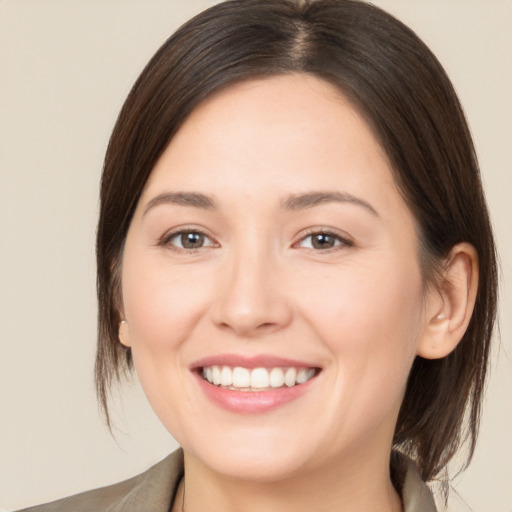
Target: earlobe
(124, 334)
(451, 305)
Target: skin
(358, 310)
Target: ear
(124, 334)
(450, 305)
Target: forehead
(286, 133)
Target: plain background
(65, 68)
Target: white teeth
(276, 378)
(257, 379)
(290, 377)
(216, 375)
(241, 377)
(226, 376)
(260, 378)
(304, 374)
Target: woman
(295, 254)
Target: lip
(251, 402)
(259, 361)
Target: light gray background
(65, 68)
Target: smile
(254, 384)
(239, 378)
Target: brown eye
(323, 241)
(189, 240)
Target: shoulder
(416, 495)
(155, 487)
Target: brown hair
(403, 92)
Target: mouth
(239, 378)
(254, 384)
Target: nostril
(250, 330)
(266, 325)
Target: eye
(188, 240)
(323, 241)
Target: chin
(256, 467)
(257, 458)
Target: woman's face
(272, 250)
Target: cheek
(370, 325)
(162, 307)
(371, 321)
(369, 299)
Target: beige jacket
(155, 489)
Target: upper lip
(259, 361)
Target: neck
(347, 487)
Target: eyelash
(168, 237)
(340, 241)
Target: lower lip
(253, 402)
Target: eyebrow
(293, 202)
(311, 199)
(193, 199)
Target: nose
(252, 296)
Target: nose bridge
(251, 300)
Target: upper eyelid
(325, 231)
(342, 236)
(345, 241)
(169, 235)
